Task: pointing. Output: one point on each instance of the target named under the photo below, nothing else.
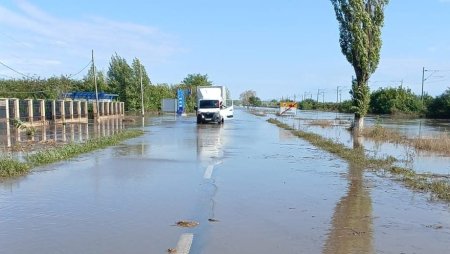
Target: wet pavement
(253, 188)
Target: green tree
(190, 83)
(155, 93)
(440, 106)
(120, 79)
(308, 104)
(394, 100)
(360, 23)
(134, 91)
(254, 101)
(245, 97)
(89, 85)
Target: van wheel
(199, 119)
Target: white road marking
(184, 244)
(208, 172)
(209, 169)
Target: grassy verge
(437, 187)
(10, 167)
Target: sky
(281, 48)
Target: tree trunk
(358, 124)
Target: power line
(16, 71)
(87, 65)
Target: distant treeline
(121, 79)
(395, 101)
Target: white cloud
(33, 35)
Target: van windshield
(209, 104)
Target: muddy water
(15, 140)
(266, 191)
(420, 161)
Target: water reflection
(421, 162)
(16, 139)
(209, 142)
(352, 230)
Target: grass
(10, 167)
(321, 123)
(426, 183)
(440, 144)
(380, 134)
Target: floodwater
(420, 161)
(14, 139)
(253, 188)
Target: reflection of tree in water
(351, 230)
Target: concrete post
(107, 108)
(16, 109)
(42, 109)
(71, 110)
(54, 110)
(86, 109)
(95, 110)
(111, 108)
(5, 102)
(30, 110)
(79, 110)
(8, 127)
(63, 111)
(102, 106)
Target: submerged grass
(321, 123)
(381, 134)
(10, 167)
(440, 144)
(427, 183)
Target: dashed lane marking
(184, 244)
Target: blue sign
(180, 97)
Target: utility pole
(337, 95)
(142, 90)
(423, 81)
(95, 84)
(318, 92)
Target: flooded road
(252, 187)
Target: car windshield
(209, 104)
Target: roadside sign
(288, 108)
(180, 100)
(169, 105)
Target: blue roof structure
(89, 96)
